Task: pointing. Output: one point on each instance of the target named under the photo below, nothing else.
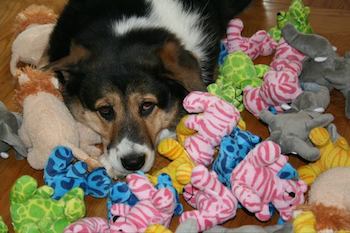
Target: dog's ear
(76, 54)
(183, 66)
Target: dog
(125, 67)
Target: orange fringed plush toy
(33, 27)
(334, 152)
(47, 122)
(328, 207)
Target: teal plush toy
(3, 227)
(34, 211)
(237, 72)
(297, 15)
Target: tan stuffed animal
(33, 27)
(328, 207)
(47, 122)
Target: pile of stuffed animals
(214, 162)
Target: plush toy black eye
(291, 194)
(107, 112)
(146, 108)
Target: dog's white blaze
(186, 24)
(112, 161)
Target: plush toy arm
(171, 149)
(264, 214)
(183, 173)
(164, 201)
(310, 172)
(81, 155)
(23, 135)
(140, 186)
(279, 163)
(88, 139)
(88, 225)
(320, 121)
(264, 154)
(266, 116)
(293, 144)
(246, 196)
(10, 138)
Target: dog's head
(130, 91)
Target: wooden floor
(328, 17)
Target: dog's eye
(146, 108)
(107, 112)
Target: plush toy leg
(250, 200)
(299, 146)
(23, 134)
(12, 139)
(13, 63)
(264, 214)
(183, 174)
(88, 139)
(81, 155)
(320, 121)
(310, 172)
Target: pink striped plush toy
(214, 202)
(155, 206)
(255, 183)
(261, 43)
(281, 82)
(215, 119)
(89, 225)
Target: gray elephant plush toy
(9, 125)
(190, 226)
(322, 64)
(315, 98)
(291, 131)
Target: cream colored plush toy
(328, 207)
(33, 27)
(47, 122)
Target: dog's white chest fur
(186, 24)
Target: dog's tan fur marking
(156, 121)
(188, 75)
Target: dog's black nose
(133, 162)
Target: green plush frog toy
(237, 72)
(3, 227)
(34, 211)
(297, 15)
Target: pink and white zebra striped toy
(155, 206)
(255, 183)
(215, 119)
(259, 44)
(281, 82)
(88, 225)
(214, 202)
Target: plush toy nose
(133, 162)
